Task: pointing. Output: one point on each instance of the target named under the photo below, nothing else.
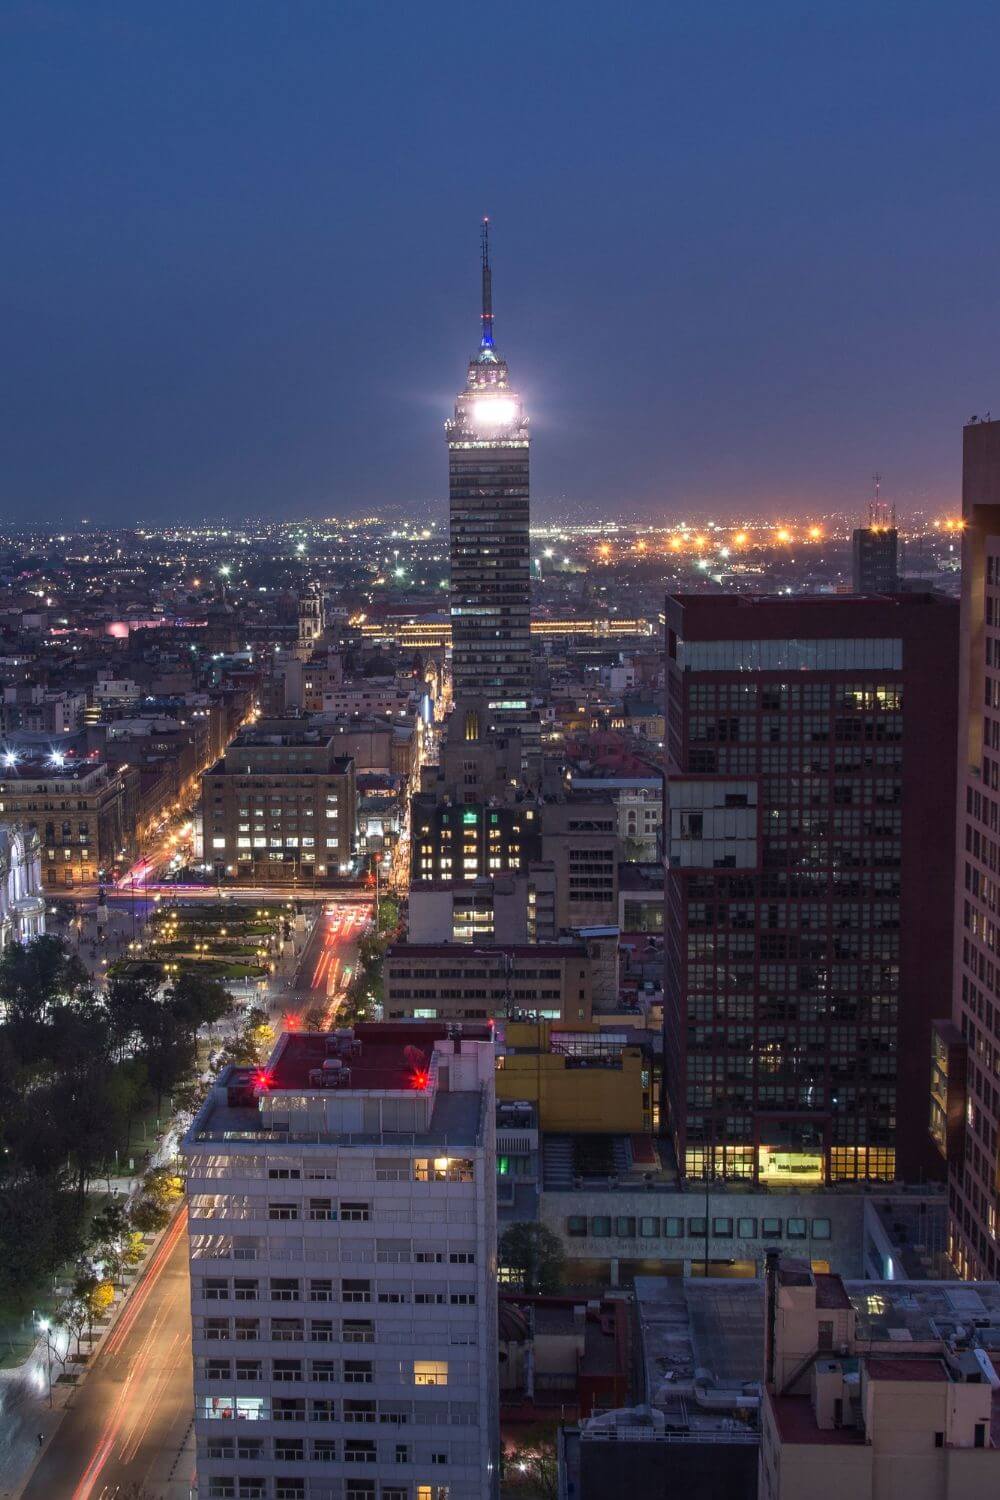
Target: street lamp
(45, 1327)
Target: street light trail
(122, 1328)
(138, 1298)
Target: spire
(487, 340)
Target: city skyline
(240, 287)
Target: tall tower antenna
(487, 341)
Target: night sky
(744, 254)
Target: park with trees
(80, 1068)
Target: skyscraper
(965, 1109)
(490, 560)
(808, 898)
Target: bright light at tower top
(493, 411)
(487, 411)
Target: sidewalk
(25, 1412)
(25, 1409)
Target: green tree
(40, 1226)
(110, 1230)
(169, 1051)
(196, 1001)
(130, 996)
(33, 978)
(163, 1185)
(536, 1254)
(532, 1467)
(148, 1217)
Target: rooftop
(700, 1333)
(436, 1100)
(394, 1063)
(907, 1312)
(906, 1369)
(45, 768)
(796, 1422)
(495, 953)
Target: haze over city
(499, 752)
(742, 258)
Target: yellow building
(582, 1081)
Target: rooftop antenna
(487, 341)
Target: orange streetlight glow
(815, 533)
(740, 539)
(783, 534)
(675, 543)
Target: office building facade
(456, 982)
(809, 873)
(280, 806)
(966, 1097)
(342, 1226)
(875, 560)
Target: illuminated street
(130, 1418)
(327, 962)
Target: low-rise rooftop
(373, 1085)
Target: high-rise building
(343, 1241)
(809, 881)
(875, 566)
(875, 551)
(965, 1109)
(490, 560)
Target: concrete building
(966, 1110)
(342, 1225)
(459, 982)
(874, 1390)
(84, 813)
(804, 1385)
(490, 555)
(577, 1077)
(466, 841)
(281, 805)
(807, 925)
(875, 554)
(580, 841)
(502, 909)
(639, 800)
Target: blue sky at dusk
(743, 254)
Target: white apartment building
(342, 1224)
